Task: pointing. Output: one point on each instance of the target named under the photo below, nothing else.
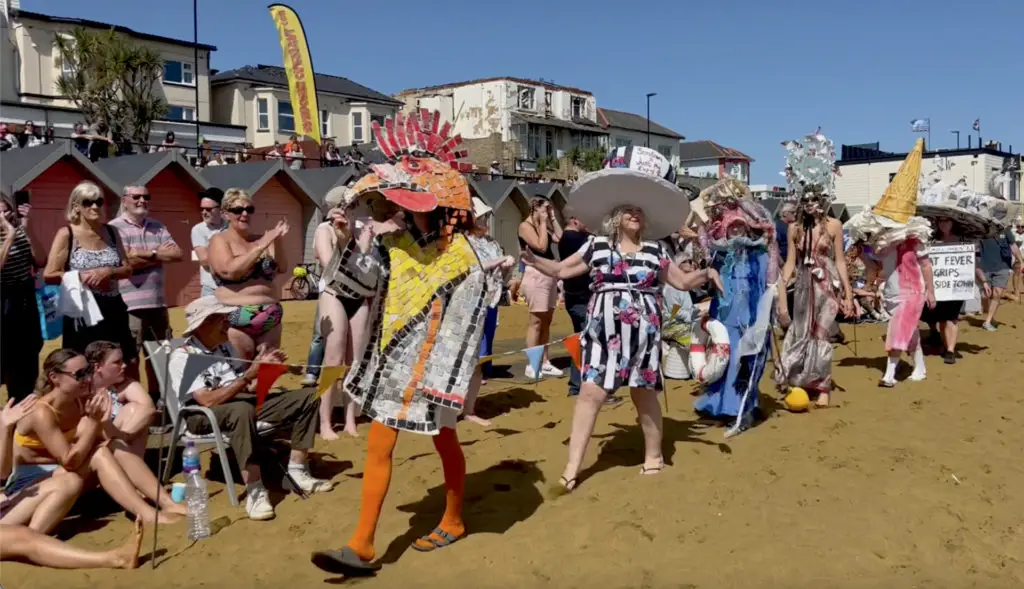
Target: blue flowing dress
(744, 273)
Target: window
(579, 107)
(179, 72)
(324, 119)
(262, 114)
(67, 69)
(285, 118)
(533, 143)
(526, 97)
(549, 143)
(665, 151)
(181, 113)
(357, 127)
(622, 142)
(547, 102)
(379, 119)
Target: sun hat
(202, 309)
(634, 176)
(974, 215)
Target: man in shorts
(999, 254)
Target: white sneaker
(309, 380)
(530, 374)
(308, 482)
(550, 370)
(257, 504)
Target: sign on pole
(953, 271)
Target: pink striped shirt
(145, 288)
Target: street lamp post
(649, 94)
(957, 133)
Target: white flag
(919, 125)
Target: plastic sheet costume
(426, 321)
(805, 360)
(899, 242)
(740, 241)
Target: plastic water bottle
(196, 495)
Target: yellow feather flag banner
(328, 376)
(299, 66)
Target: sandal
(886, 384)
(564, 487)
(651, 470)
(344, 562)
(430, 543)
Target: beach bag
(51, 321)
(709, 351)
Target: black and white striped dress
(621, 344)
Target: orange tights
(377, 478)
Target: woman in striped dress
(621, 344)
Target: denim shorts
(26, 475)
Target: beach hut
(319, 181)
(49, 173)
(174, 186)
(278, 194)
(510, 206)
(839, 211)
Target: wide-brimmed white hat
(633, 176)
(202, 309)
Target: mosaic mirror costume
(432, 289)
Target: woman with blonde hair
(342, 308)
(537, 233)
(91, 247)
(244, 266)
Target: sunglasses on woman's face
(88, 203)
(145, 196)
(79, 375)
(239, 210)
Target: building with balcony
(514, 121)
(256, 97)
(31, 64)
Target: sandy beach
(917, 486)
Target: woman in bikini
(815, 256)
(244, 267)
(26, 544)
(342, 306)
(65, 432)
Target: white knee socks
(919, 370)
(890, 369)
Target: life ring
(709, 350)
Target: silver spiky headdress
(811, 166)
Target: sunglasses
(239, 210)
(208, 209)
(88, 203)
(145, 197)
(79, 375)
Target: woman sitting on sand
(131, 407)
(66, 430)
(244, 267)
(22, 543)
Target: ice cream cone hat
(892, 220)
(899, 201)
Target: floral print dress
(621, 343)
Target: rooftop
(709, 150)
(272, 75)
(541, 83)
(871, 152)
(92, 24)
(627, 120)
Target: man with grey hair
(149, 246)
(787, 216)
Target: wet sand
(917, 486)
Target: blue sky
(746, 73)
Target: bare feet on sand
(822, 400)
(327, 433)
(479, 420)
(127, 556)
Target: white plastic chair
(159, 355)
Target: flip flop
(651, 470)
(344, 562)
(446, 540)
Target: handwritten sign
(953, 271)
(649, 161)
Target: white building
(31, 65)
(707, 159)
(512, 120)
(626, 129)
(763, 191)
(865, 172)
(256, 97)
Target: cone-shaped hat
(899, 201)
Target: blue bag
(50, 320)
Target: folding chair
(159, 354)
